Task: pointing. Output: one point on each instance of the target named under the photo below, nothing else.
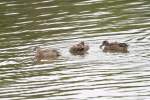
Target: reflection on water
(61, 23)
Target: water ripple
(60, 24)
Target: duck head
(104, 43)
(36, 48)
(82, 43)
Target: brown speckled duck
(45, 54)
(79, 49)
(114, 47)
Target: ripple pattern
(60, 23)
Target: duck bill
(101, 46)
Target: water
(61, 23)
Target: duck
(46, 54)
(80, 48)
(114, 47)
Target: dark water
(25, 24)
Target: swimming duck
(79, 49)
(114, 47)
(45, 54)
